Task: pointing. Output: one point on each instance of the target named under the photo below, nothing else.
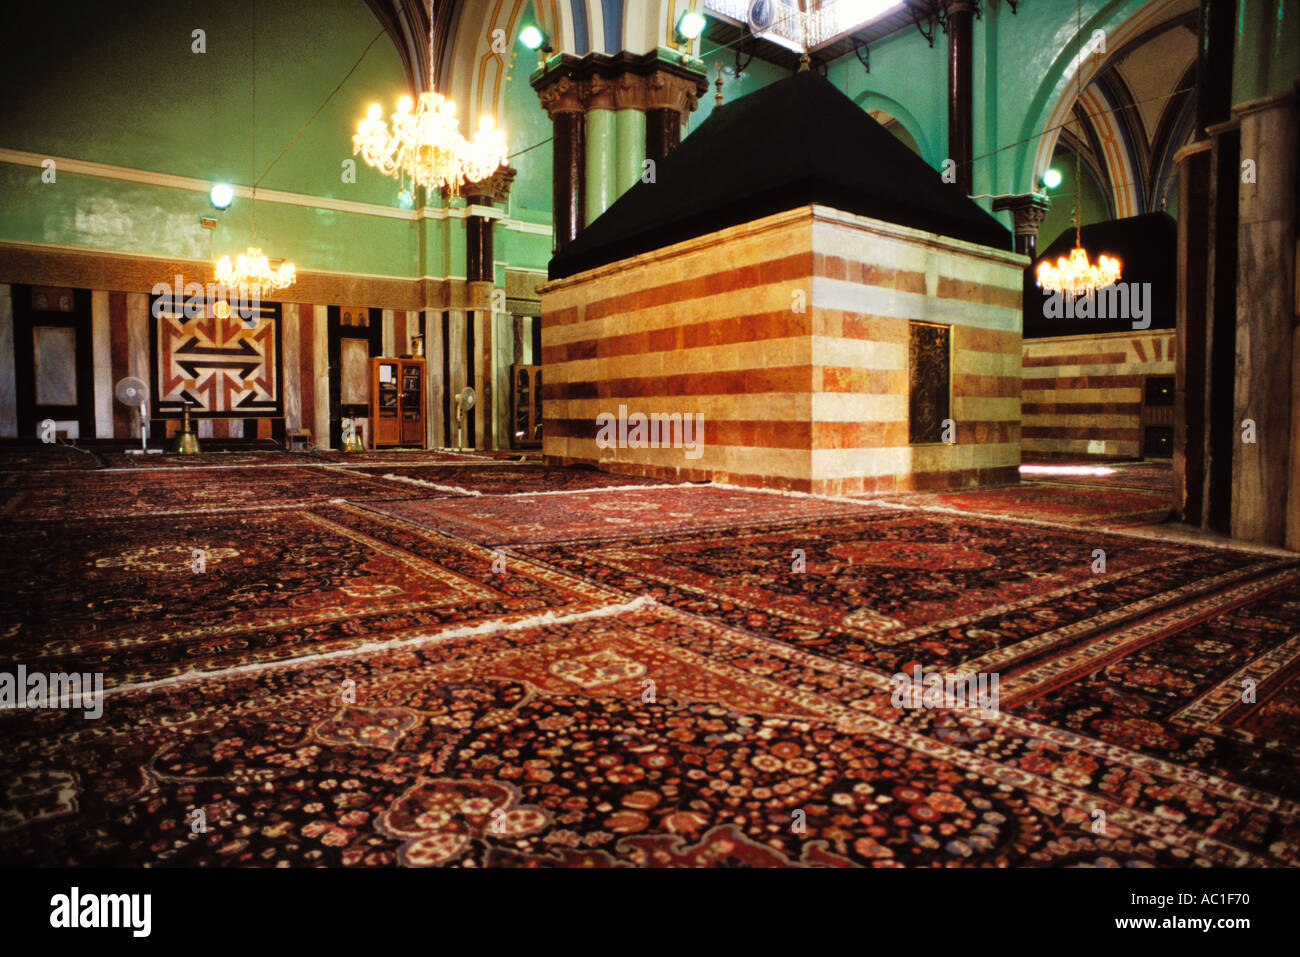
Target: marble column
(1267, 61)
(1203, 433)
(101, 351)
(630, 131)
(435, 388)
(663, 131)
(1193, 164)
(960, 21)
(291, 337)
(599, 163)
(609, 114)
(1223, 431)
(568, 177)
(320, 429)
(1262, 472)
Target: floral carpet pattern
(475, 479)
(114, 494)
(140, 601)
(609, 514)
(630, 677)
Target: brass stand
(187, 443)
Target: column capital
(496, 188)
(560, 93)
(1028, 210)
(598, 81)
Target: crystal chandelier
(425, 147)
(252, 269)
(1075, 275)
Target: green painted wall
(528, 130)
(98, 213)
(128, 91)
(1021, 65)
(1058, 218)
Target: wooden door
(385, 403)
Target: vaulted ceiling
(407, 24)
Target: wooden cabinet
(396, 402)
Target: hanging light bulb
(1075, 275)
(251, 269)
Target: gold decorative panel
(929, 373)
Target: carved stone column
(1028, 210)
(610, 114)
(562, 98)
(669, 99)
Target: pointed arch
(1123, 21)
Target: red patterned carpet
(169, 460)
(52, 456)
(476, 479)
(674, 676)
(125, 597)
(110, 494)
(616, 513)
(1069, 504)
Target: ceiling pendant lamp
(1075, 275)
(424, 146)
(253, 269)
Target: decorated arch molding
(1122, 21)
(1124, 176)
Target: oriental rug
(652, 739)
(950, 594)
(475, 479)
(172, 460)
(55, 456)
(410, 457)
(140, 600)
(610, 514)
(667, 676)
(1100, 507)
(109, 494)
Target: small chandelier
(252, 268)
(425, 146)
(1075, 275)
